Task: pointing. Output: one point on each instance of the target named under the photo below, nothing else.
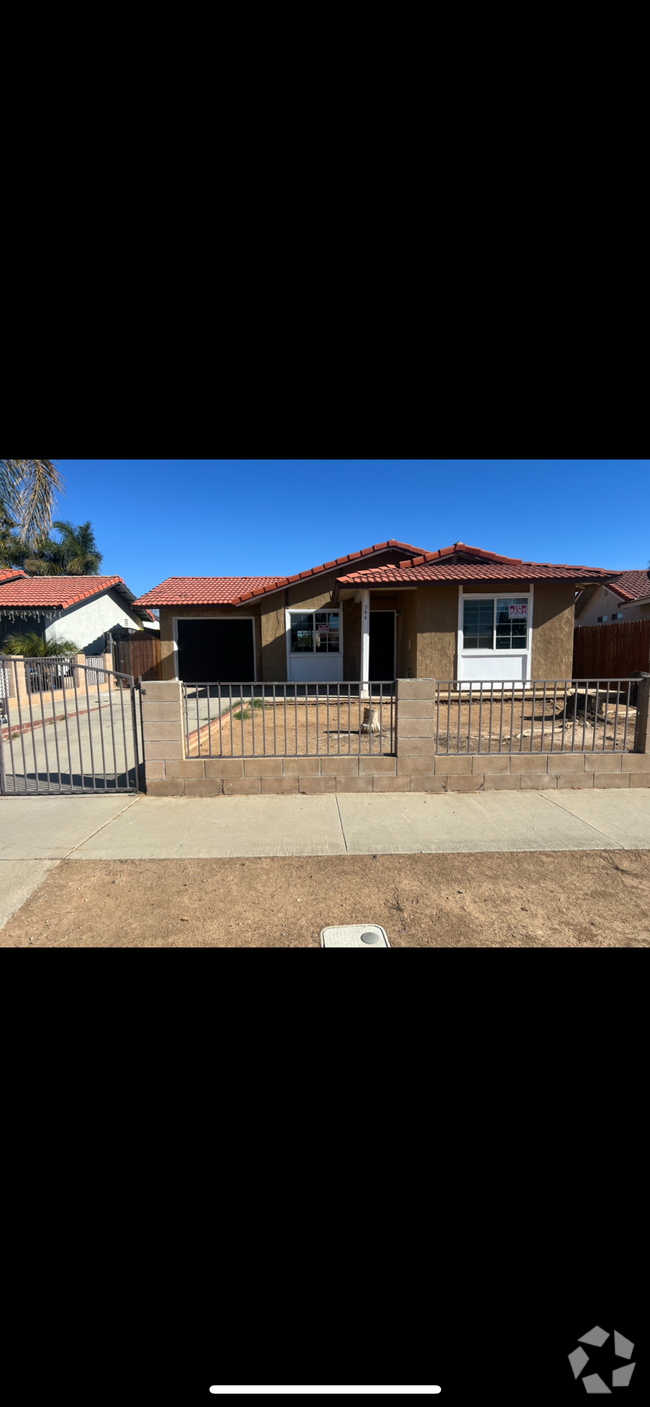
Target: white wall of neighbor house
(87, 623)
(605, 608)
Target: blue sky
(155, 518)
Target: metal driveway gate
(67, 728)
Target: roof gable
(58, 592)
(461, 549)
(234, 591)
(635, 583)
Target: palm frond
(36, 647)
(27, 487)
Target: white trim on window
(495, 654)
(298, 611)
(175, 620)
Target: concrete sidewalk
(36, 833)
(123, 827)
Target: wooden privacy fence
(141, 654)
(611, 651)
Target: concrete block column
(162, 730)
(415, 726)
(642, 742)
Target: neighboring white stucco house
(84, 609)
(606, 605)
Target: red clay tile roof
(57, 591)
(204, 590)
(233, 590)
(635, 583)
(10, 573)
(526, 571)
(459, 547)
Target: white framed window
(494, 634)
(315, 644)
(314, 632)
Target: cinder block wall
(509, 771)
(415, 767)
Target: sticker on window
(519, 609)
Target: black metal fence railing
(303, 719)
(541, 715)
(66, 728)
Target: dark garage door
(216, 650)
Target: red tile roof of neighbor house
(636, 584)
(233, 590)
(59, 591)
(10, 573)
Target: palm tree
(33, 645)
(27, 489)
(78, 549)
(12, 552)
(73, 554)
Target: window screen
(477, 625)
(511, 623)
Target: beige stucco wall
(553, 616)
(273, 665)
(437, 614)
(407, 638)
(428, 618)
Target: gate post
(415, 744)
(642, 738)
(162, 736)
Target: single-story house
(390, 610)
(627, 598)
(84, 609)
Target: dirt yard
(297, 729)
(568, 899)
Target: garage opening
(213, 651)
(382, 645)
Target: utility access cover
(355, 935)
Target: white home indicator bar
(394, 1390)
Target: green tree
(12, 551)
(32, 644)
(27, 489)
(78, 549)
(73, 553)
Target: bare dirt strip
(293, 728)
(567, 899)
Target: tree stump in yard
(370, 721)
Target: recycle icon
(623, 1348)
